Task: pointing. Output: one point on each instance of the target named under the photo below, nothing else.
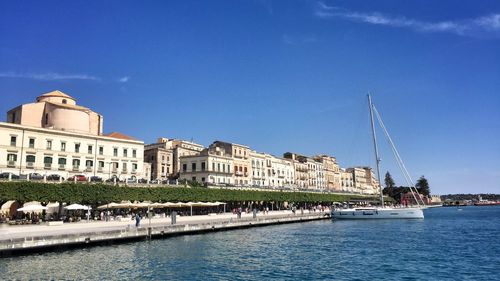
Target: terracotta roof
(56, 93)
(117, 135)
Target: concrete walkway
(25, 237)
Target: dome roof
(56, 93)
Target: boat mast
(377, 158)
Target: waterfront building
(364, 180)
(346, 181)
(164, 156)
(331, 172)
(259, 167)
(280, 172)
(54, 135)
(241, 160)
(301, 169)
(212, 166)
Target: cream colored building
(301, 169)
(347, 181)
(57, 136)
(241, 160)
(213, 166)
(259, 168)
(164, 156)
(280, 172)
(364, 180)
(331, 172)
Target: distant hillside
(456, 197)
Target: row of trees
(100, 194)
(396, 192)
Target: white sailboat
(383, 212)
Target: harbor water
(449, 244)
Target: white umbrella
(78, 207)
(110, 206)
(32, 208)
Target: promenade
(28, 238)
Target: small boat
(382, 212)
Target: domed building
(56, 138)
(59, 111)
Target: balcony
(11, 164)
(76, 169)
(114, 170)
(88, 169)
(134, 171)
(238, 173)
(62, 167)
(47, 166)
(124, 171)
(30, 165)
(100, 169)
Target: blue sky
(276, 75)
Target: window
(193, 167)
(61, 162)
(163, 158)
(32, 143)
(101, 164)
(30, 158)
(124, 167)
(47, 161)
(13, 140)
(49, 144)
(202, 179)
(77, 147)
(64, 101)
(125, 152)
(134, 153)
(184, 167)
(162, 169)
(203, 166)
(63, 146)
(193, 178)
(89, 163)
(89, 149)
(101, 150)
(46, 118)
(213, 167)
(76, 163)
(115, 152)
(12, 157)
(134, 167)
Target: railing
(62, 166)
(134, 171)
(30, 164)
(11, 163)
(47, 166)
(100, 169)
(76, 168)
(88, 169)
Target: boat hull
(378, 213)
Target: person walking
(137, 220)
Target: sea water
(449, 244)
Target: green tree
(423, 186)
(389, 185)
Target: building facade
(212, 166)
(56, 145)
(164, 156)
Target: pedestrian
(137, 220)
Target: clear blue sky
(276, 75)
